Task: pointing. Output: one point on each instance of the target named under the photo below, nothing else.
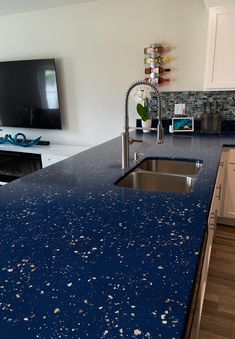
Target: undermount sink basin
(157, 182)
(162, 175)
(172, 166)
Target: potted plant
(143, 111)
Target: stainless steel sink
(157, 182)
(162, 175)
(171, 166)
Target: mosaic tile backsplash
(195, 101)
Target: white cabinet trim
(218, 3)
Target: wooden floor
(218, 316)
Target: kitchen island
(83, 258)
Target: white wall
(99, 51)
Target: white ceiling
(17, 6)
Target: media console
(16, 161)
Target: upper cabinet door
(220, 66)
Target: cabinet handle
(212, 220)
(212, 226)
(221, 163)
(219, 194)
(212, 217)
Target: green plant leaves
(143, 112)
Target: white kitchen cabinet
(205, 263)
(227, 211)
(193, 327)
(218, 3)
(223, 201)
(220, 70)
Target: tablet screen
(182, 124)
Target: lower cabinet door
(229, 201)
(202, 288)
(228, 205)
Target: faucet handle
(132, 140)
(137, 155)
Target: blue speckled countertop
(82, 258)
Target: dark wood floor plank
(208, 335)
(218, 316)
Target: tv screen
(29, 94)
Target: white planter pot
(146, 125)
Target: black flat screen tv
(29, 94)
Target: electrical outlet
(179, 109)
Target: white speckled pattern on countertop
(82, 258)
